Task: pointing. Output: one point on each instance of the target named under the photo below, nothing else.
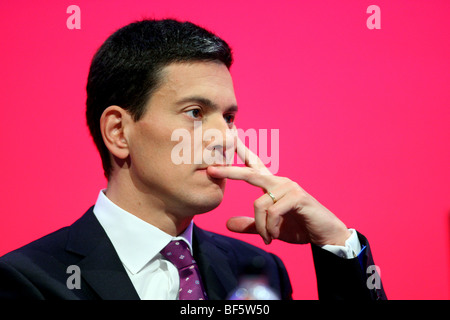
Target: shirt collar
(136, 241)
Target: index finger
(250, 159)
(247, 174)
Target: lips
(214, 165)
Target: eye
(194, 113)
(229, 118)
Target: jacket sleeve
(347, 279)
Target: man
(147, 80)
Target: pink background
(363, 116)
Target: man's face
(197, 91)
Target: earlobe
(112, 125)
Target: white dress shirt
(351, 249)
(138, 245)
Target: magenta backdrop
(363, 117)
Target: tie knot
(177, 252)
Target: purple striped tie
(191, 287)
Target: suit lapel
(216, 264)
(101, 267)
(103, 271)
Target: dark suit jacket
(39, 269)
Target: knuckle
(285, 180)
(258, 204)
(272, 211)
(292, 185)
(299, 192)
(250, 174)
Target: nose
(220, 142)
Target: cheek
(153, 136)
(151, 147)
(187, 145)
(196, 145)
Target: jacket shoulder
(39, 269)
(49, 245)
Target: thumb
(242, 225)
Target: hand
(295, 216)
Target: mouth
(206, 167)
(202, 170)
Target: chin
(202, 201)
(198, 198)
(209, 201)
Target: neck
(146, 207)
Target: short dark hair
(126, 69)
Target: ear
(113, 124)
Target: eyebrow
(206, 103)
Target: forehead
(211, 80)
